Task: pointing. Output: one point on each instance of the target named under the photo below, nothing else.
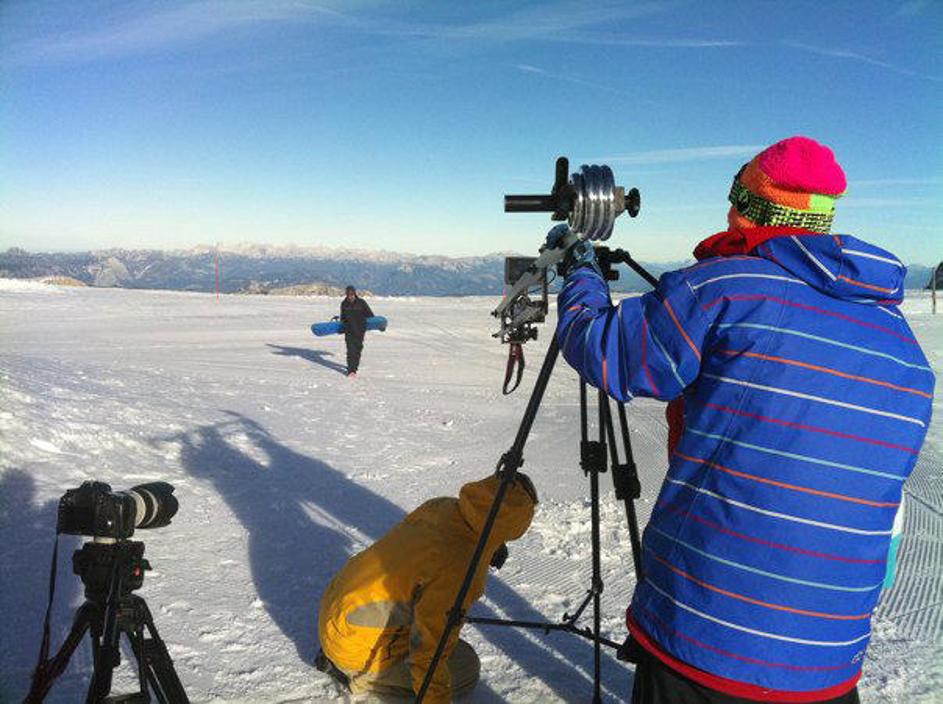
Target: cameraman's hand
(581, 254)
(556, 236)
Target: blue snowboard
(336, 327)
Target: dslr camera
(95, 510)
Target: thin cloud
(561, 23)
(577, 80)
(165, 28)
(855, 56)
(543, 21)
(674, 156)
(663, 43)
(122, 35)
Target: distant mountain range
(292, 269)
(278, 269)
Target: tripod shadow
(27, 535)
(305, 519)
(314, 356)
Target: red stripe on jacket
(733, 687)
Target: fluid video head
(95, 510)
(589, 201)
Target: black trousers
(354, 348)
(656, 683)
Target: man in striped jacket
(800, 400)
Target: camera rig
(589, 201)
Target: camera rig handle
(589, 201)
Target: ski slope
(284, 468)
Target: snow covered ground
(284, 467)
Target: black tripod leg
(47, 672)
(625, 479)
(597, 570)
(153, 658)
(507, 468)
(632, 489)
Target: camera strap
(44, 648)
(515, 357)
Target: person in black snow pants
(354, 314)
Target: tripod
(110, 572)
(593, 456)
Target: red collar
(742, 241)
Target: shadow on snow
(27, 536)
(314, 356)
(305, 519)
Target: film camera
(95, 510)
(589, 202)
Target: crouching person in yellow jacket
(383, 614)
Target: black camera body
(95, 510)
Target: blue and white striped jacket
(806, 402)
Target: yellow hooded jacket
(389, 602)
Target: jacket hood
(514, 517)
(840, 266)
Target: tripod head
(97, 564)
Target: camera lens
(155, 504)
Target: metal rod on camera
(507, 468)
(529, 204)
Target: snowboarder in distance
(354, 314)
(383, 614)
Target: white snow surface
(284, 468)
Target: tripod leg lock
(593, 456)
(628, 486)
(512, 460)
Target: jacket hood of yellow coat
(514, 517)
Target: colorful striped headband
(795, 183)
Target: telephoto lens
(155, 504)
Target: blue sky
(399, 126)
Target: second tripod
(110, 572)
